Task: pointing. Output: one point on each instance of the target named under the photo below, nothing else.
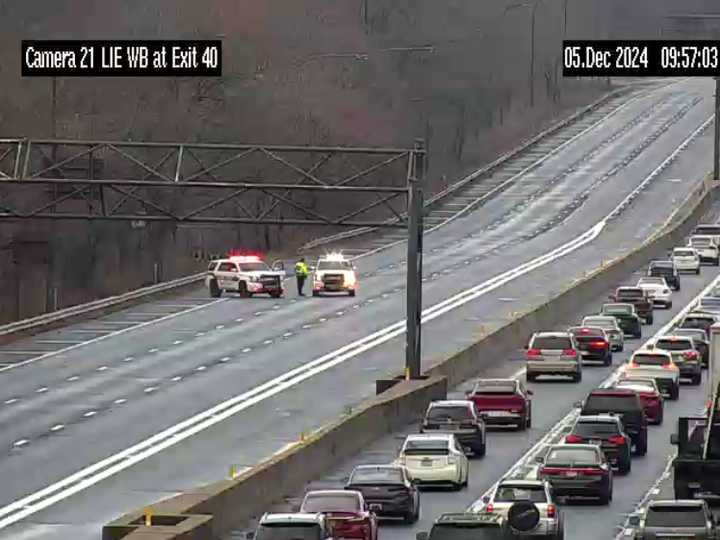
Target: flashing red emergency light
(244, 256)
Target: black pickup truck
(637, 297)
(696, 473)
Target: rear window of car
(630, 293)
(635, 386)
(601, 322)
(603, 403)
(449, 412)
(675, 516)
(435, 447)
(534, 494)
(650, 359)
(572, 456)
(498, 387)
(697, 322)
(617, 309)
(551, 342)
(331, 502)
(287, 531)
(673, 344)
(712, 230)
(691, 333)
(595, 429)
(379, 475)
(651, 281)
(683, 252)
(466, 531)
(587, 332)
(701, 241)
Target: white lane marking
(258, 313)
(322, 319)
(102, 368)
(239, 320)
(247, 349)
(199, 334)
(176, 379)
(42, 390)
(177, 342)
(268, 342)
(57, 427)
(119, 401)
(72, 379)
(171, 436)
(21, 442)
(150, 389)
(107, 336)
(225, 359)
(57, 341)
(552, 434)
(153, 350)
(128, 359)
(287, 334)
(24, 353)
(219, 327)
(201, 368)
(10, 401)
(86, 331)
(90, 414)
(340, 313)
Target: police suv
(246, 275)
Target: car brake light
(570, 352)
(632, 365)
(490, 508)
(551, 510)
(617, 439)
(534, 352)
(591, 472)
(599, 343)
(573, 439)
(690, 355)
(669, 366)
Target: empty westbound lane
(118, 391)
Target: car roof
(677, 502)
(639, 381)
(700, 314)
(290, 518)
(626, 287)
(598, 419)
(521, 482)
(553, 334)
(326, 492)
(612, 392)
(574, 446)
(394, 466)
(608, 318)
(451, 403)
(470, 517)
(491, 382)
(675, 337)
(429, 437)
(652, 352)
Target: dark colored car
(502, 402)
(594, 343)
(675, 519)
(650, 396)
(696, 319)
(388, 491)
(638, 297)
(578, 470)
(628, 320)
(608, 433)
(459, 418)
(667, 270)
(700, 340)
(345, 512)
(624, 403)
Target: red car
(344, 512)
(650, 397)
(502, 402)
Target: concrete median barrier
(209, 511)
(213, 510)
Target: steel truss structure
(224, 183)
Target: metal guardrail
(46, 319)
(522, 147)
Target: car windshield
(465, 531)
(606, 323)
(618, 309)
(331, 502)
(507, 493)
(651, 281)
(599, 403)
(449, 412)
(495, 387)
(673, 344)
(377, 475)
(675, 516)
(334, 265)
(254, 267)
(595, 429)
(650, 359)
(551, 342)
(568, 456)
(289, 531)
(683, 252)
(426, 447)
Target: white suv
(245, 275)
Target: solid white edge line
(173, 435)
(107, 336)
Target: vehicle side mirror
(674, 439)
(530, 392)
(539, 459)
(468, 393)
(422, 535)
(313, 268)
(250, 535)
(578, 404)
(486, 499)
(650, 345)
(611, 297)
(278, 266)
(634, 520)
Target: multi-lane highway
(512, 453)
(117, 415)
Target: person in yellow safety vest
(301, 274)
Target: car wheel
(697, 271)
(608, 359)
(480, 451)
(660, 417)
(351, 293)
(716, 262)
(577, 377)
(528, 424)
(697, 379)
(530, 377)
(605, 498)
(650, 319)
(215, 291)
(276, 294)
(668, 305)
(675, 391)
(242, 290)
(641, 448)
(625, 466)
(621, 348)
(316, 293)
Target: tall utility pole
(716, 145)
(414, 264)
